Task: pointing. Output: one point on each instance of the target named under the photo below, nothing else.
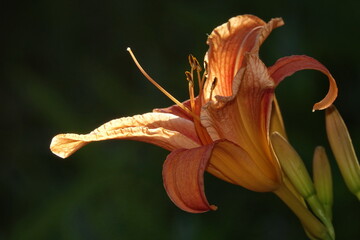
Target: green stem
(318, 209)
(312, 225)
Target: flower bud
(292, 165)
(322, 179)
(296, 171)
(343, 150)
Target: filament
(182, 106)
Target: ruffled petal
(287, 66)
(183, 174)
(244, 117)
(228, 44)
(165, 130)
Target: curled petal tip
(213, 207)
(287, 66)
(329, 98)
(63, 145)
(55, 149)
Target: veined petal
(244, 117)
(287, 66)
(183, 172)
(228, 44)
(233, 164)
(165, 130)
(276, 121)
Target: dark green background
(64, 68)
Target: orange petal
(231, 163)
(165, 130)
(176, 110)
(228, 44)
(276, 121)
(244, 117)
(183, 172)
(287, 66)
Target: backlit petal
(165, 130)
(176, 110)
(183, 172)
(287, 66)
(276, 120)
(233, 164)
(228, 44)
(244, 117)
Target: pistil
(177, 102)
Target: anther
(194, 63)
(197, 65)
(189, 76)
(213, 85)
(191, 60)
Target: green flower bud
(343, 150)
(322, 179)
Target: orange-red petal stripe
(287, 66)
(183, 174)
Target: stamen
(182, 106)
(205, 70)
(197, 65)
(190, 79)
(213, 85)
(191, 60)
(188, 76)
(203, 78)
(198, 70)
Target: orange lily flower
(225, 129)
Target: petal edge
(183, 172)
(287, 66)
(165, 130)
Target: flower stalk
(312, 225)
(295, 169)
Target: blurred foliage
(64, 68)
